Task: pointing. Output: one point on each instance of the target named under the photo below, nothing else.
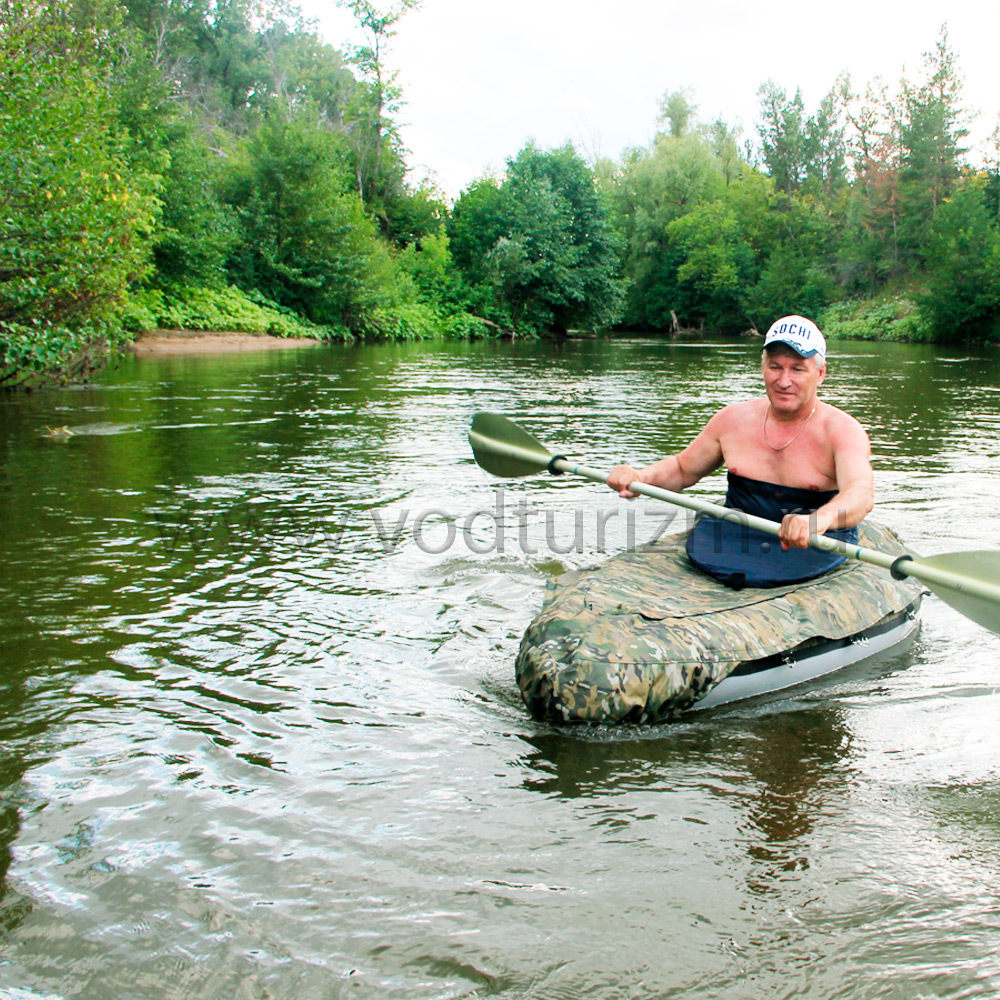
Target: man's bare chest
(805, 464)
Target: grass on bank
(228, 309)
(232, 310)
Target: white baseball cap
(800, 334)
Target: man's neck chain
(782, 447)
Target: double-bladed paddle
(968, 581)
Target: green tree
(725, 145)
(714, 264)
(230, 60)
(542, 242)
(414, 215)
(802, 153)
(370, 115)
(678, 110)
(962, 300)
(756, 205)
(429, 264)
(932, 130)
(576, 281)
(798, 273)
(75, 215)
(783, 137)
(826, 147)
(196, 231)
(868, 253)
(481, 216)
(224, 72)
(305, 70)
(992, 193)
(305, 240)
(651, 189)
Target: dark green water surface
(260, 738)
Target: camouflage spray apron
(644, 635)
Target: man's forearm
(847, 509)
(669, 474)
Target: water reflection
(798, 765)
(781, 775)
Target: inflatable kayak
(646, 636)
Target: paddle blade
(976, 591)
(503, 449)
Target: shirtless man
(788, 438)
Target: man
(790, 458)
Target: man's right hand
(620, 477)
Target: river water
(260, 738)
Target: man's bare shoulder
(841, 424)
(736, 414)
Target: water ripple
(261, 737)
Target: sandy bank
(211, 342)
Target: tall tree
(801, 152)
(725, 145)
(678, 111)
(784, 142)
(826, 147)
(870, 242)
(304, 69)
(993, 173)
(934, 126)
(651, 188)
(371, 119)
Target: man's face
(790, 380)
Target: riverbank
(212, 342)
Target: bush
(465, 326)
(422, 322)
(415, 321)
(894, 319)
(190, 308)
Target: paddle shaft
(899, 566)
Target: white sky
(481, 78)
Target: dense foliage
(537, 248)
(869, 198)
(215, 163)
(76, 210)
